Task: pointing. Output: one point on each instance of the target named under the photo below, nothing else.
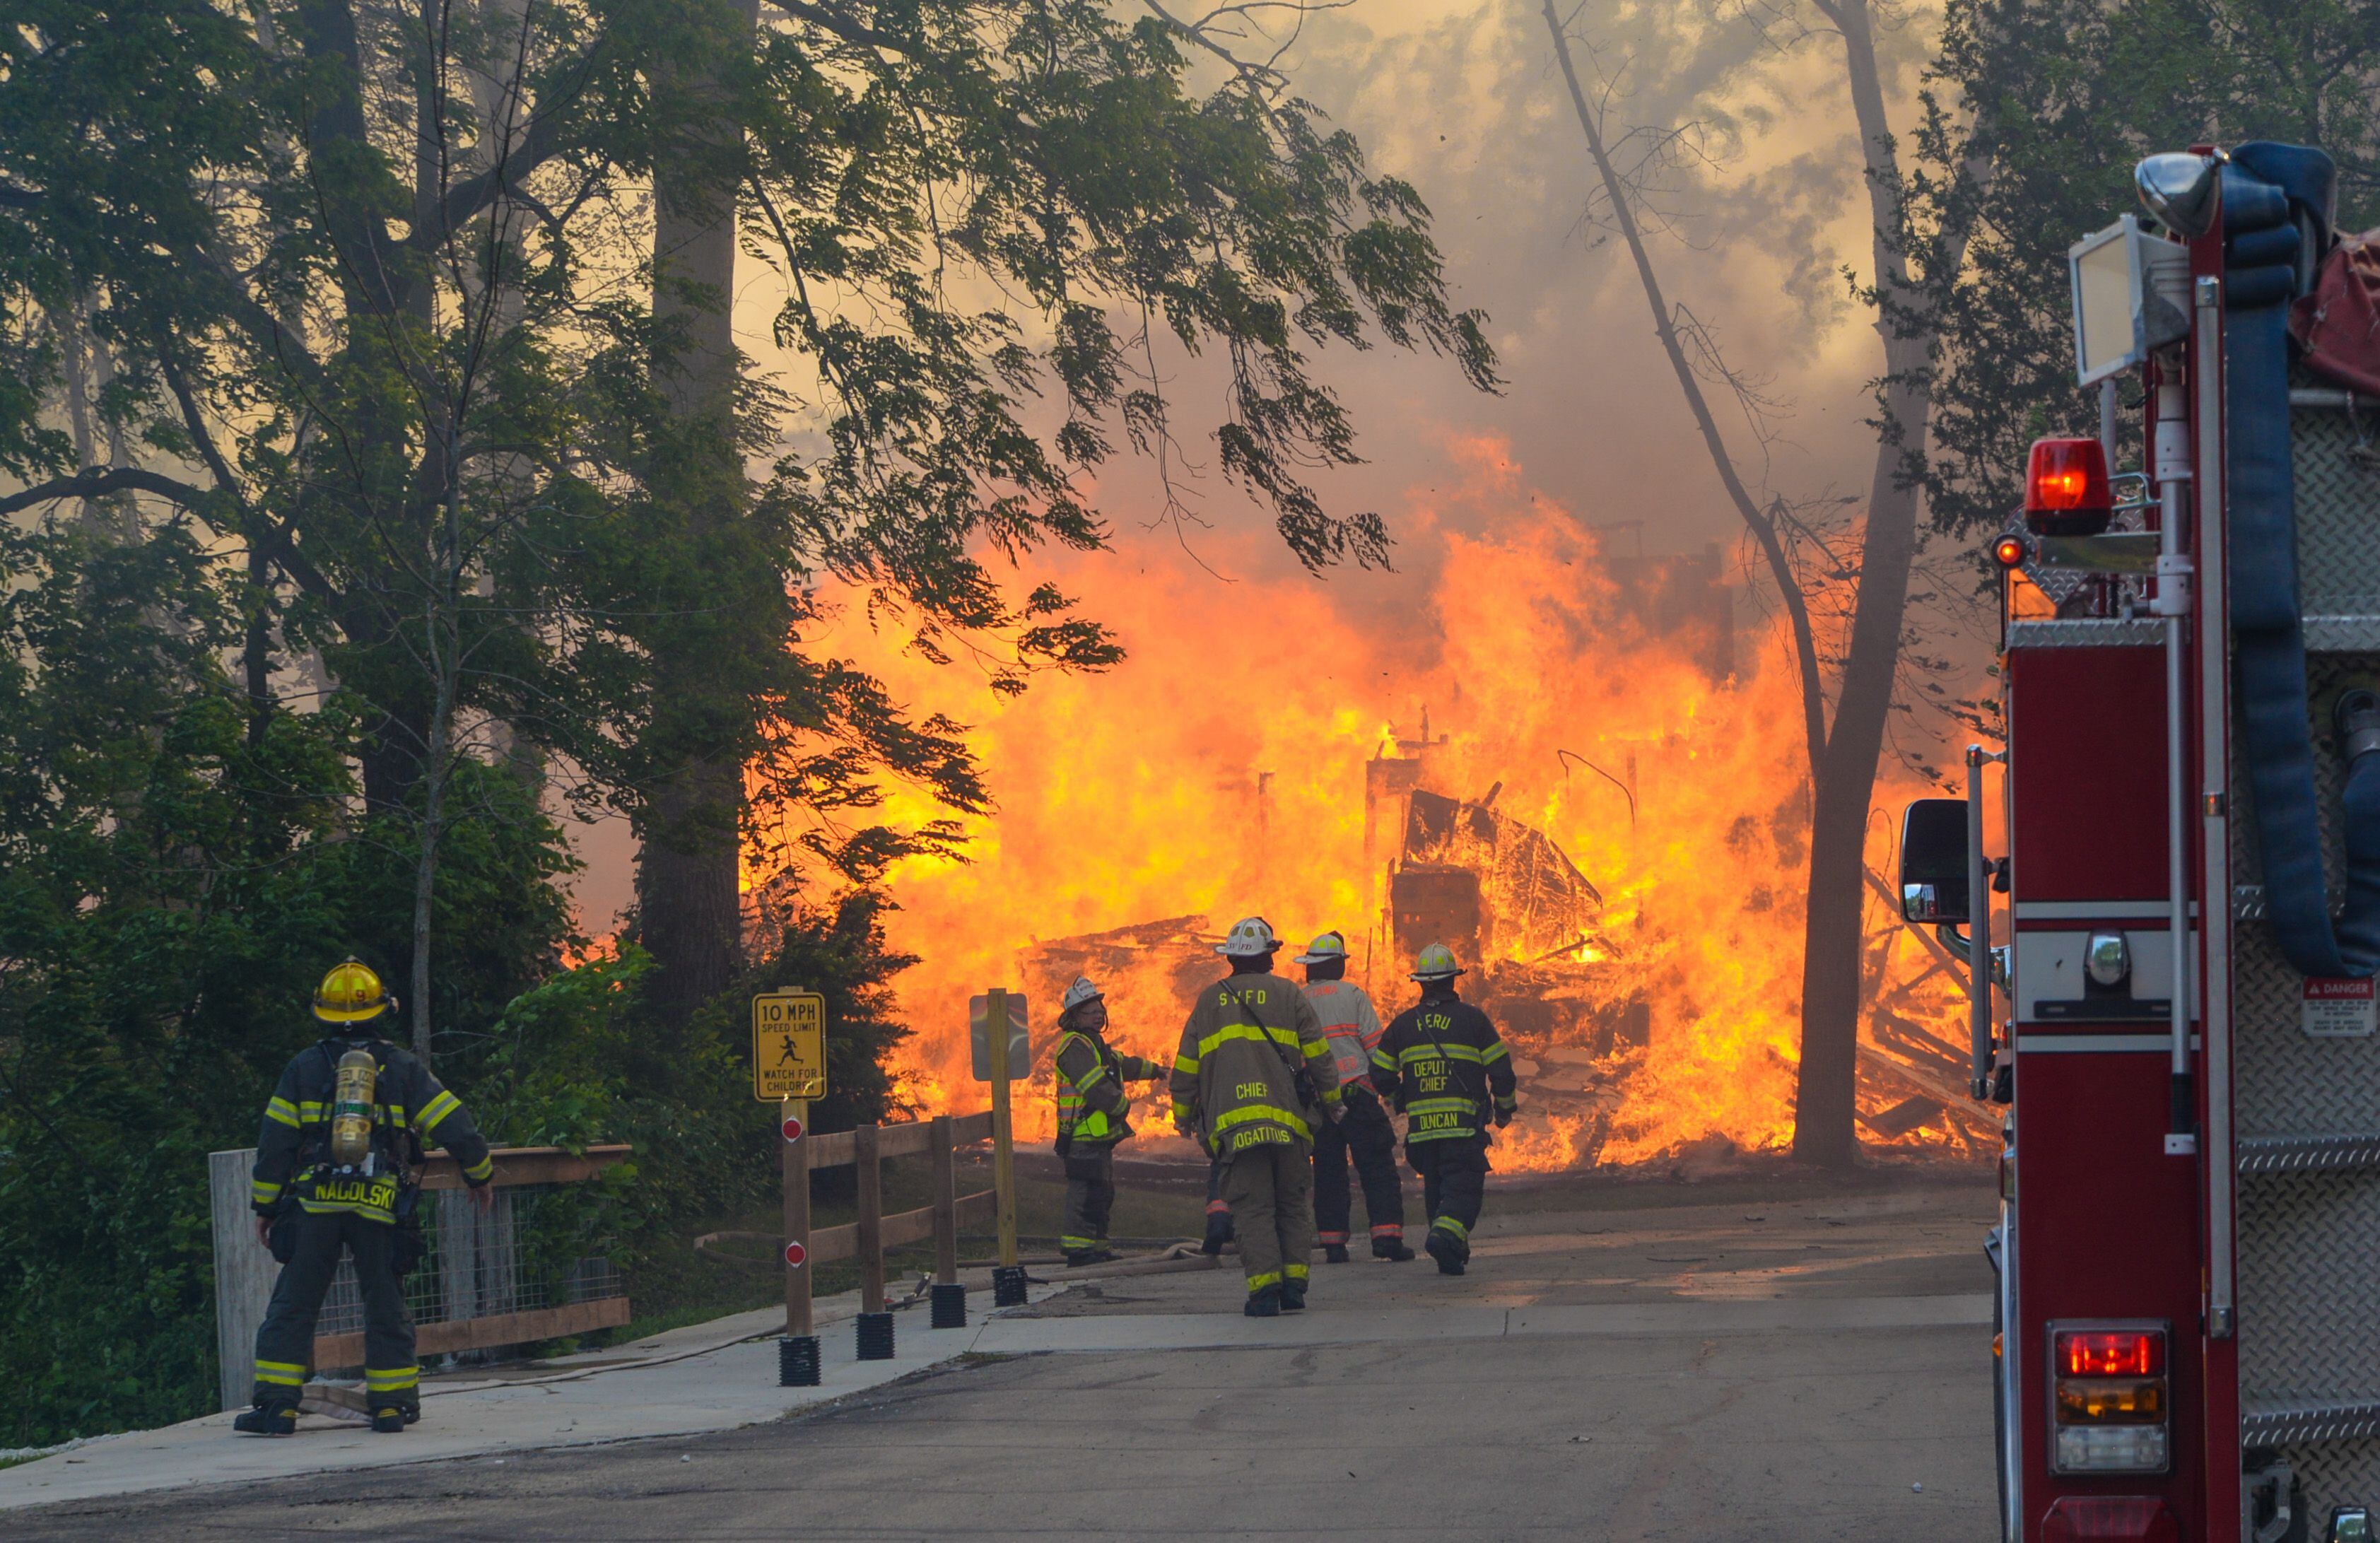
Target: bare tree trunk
(1826, 1082)
(688, 911)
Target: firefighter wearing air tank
(334, 1171)
(1252, 1077)
(1364, 1132)
(1447, 1068)
(1093, 1113)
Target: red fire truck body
(2188, 1305)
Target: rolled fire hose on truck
(2277, 200)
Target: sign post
(789, 1066)
(1008, 1289)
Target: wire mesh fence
(530, 1249)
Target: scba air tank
(351, 1108)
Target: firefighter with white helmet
(1252, 1077)
(1364, 1132)
(1094, 1113)
(337, 1165)
(1446, 1067)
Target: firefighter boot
(1334, 1253)
(1293, 1296)
(268, 1419)
(1264, 1302)
(388, 1422)
(1446, 1249)
(1081, 1257)
(1392, 1249)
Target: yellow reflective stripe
(262, 1192)
(1297, 1271)
(1085, 1086)
(1441, 1106)
(281, 1374)
(389, 1381)
(313, 1113)
(332, 1207)
(1430, 1053)
(1182, 1114)
(1269, 1277)
(285, 1111)
(1380, 1059)
(1495, 1052)
(1317, 1049)
(1330, 1094)
(1257, 1033)
(480, 1170)
(1452, 1225)
(1187, 1064)
(1250, 1113)
(437, 1109)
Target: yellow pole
(1004, 1151)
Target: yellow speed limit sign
(788, 1045)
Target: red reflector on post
(2129, 1518)
(2066, 488)
(2111, 1353)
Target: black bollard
(874, 1336)
(950, 1306)
(798, 1361)
(1008, 1286)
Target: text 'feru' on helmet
(1083, 989)
(1437, 963)
(1323, 950)
(351, 993)
(1249, 937)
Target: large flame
(1221, 771)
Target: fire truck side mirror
(1933, 862)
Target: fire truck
(2175, 1002)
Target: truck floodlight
(2178, 188)
(2131, 294)
(2110, 1399)
(2350, 1523)
(2066, 488)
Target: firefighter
(1093, 1115)
(1252, 1076)
(335, 1165)
(1365, 1131)
(1444, 1064)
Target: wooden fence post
(875, 1323)
(1008, 1281)
(948, 1297)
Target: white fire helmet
(1249, 937)
(1323, 950)
(1083, 989)
(1437, 963)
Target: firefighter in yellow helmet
(337, 1165)
(1252, 1077)
(1094, 1114)
(1447, 1068)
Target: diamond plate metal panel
(2308, 1300)
(2307, 1154)
(2335, 456)
(2087, 632)
(2284, 1083)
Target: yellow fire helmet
(351, 993)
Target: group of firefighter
(1282, 1084)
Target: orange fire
(1222, 771)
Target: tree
(1844, 751)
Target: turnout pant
(1365, 1134)
(1270, 1191)
(284, 1340)
(1090, 1198)
(1454, 1177)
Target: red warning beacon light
(2066, 488)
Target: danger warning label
(2333, 1008)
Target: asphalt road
(1757, 1366)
